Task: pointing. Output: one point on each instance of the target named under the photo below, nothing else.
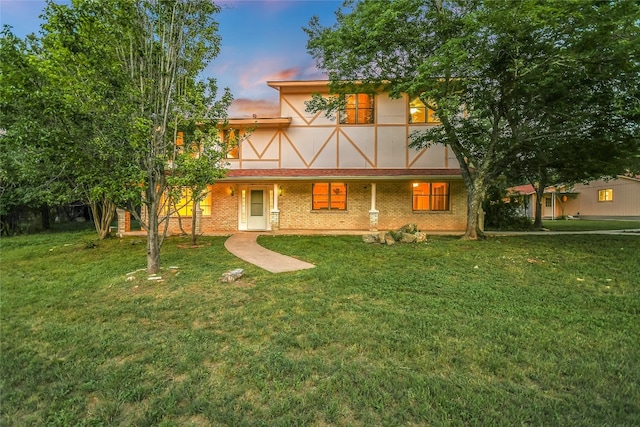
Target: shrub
(504, 212)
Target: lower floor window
(184, 205)
(329, 196)
(430, 196)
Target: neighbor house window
(329, 196)
(184, 206)
(547, 202)
(358, 109)
(605, 195)
(430, 196)
(420, 113)
(230, 142)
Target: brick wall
(224, 212)
(396, 209)
(394, 203)
(296, 212)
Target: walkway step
(245, 246)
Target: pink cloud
(292, 73)
(245, 107)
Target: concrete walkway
(245, 246)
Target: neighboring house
(617, 198)
(303, 171)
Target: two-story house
(304, 171)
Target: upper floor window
(358, 109)
(329, 196)
(430, 196)
(420, 113)
(230, 142)
(605, 195)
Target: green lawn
(589, 225)
(526, 330)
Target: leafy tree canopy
(506, 79)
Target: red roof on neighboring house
(284, 174)
(522, 189)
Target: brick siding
(393, 201)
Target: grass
(533, 330)
(590, 225)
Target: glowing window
(184, 206)
(420, 113)
(358, 109)
(605, 195)
(230, 141)
(329, 196)
(430, 196)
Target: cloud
(292, 73)
(245, 107)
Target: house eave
(240, 175)
(261, 122)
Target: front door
(257, 218)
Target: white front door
(257, 210)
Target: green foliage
(540, 330)
(91, 108)
(518, 86)
(504, 212)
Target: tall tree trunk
(539, 187)
(194, 222)
(537, 222)
(46, 217)
(153, 239)
(103, 212)
(475, 196)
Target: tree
(124, 75)
(77, 51)
(33, 168)
(482, 66)
(582, 117)
(164, 46)
(201, 158)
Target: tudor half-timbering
(304, 171)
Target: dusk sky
(262, 40)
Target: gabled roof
(342, 174)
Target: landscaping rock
(397, 235)
(408, 233)
(232, 276)
(370, 238)
(408, 228)
(421, 237)
(389, 240)
(408, 238)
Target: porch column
(124, 222)
(373, 212)
(275, 212)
